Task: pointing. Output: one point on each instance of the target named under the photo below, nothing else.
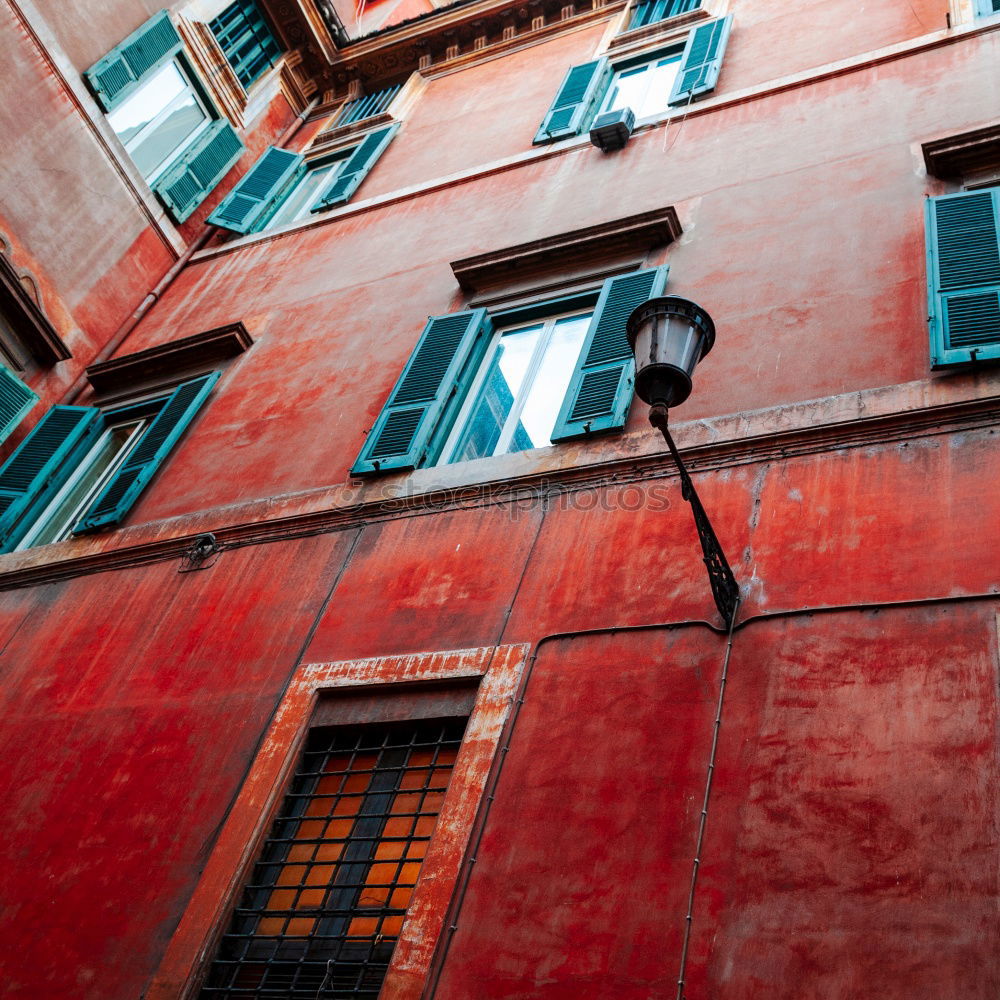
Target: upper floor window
(654, 84)
(645, 88)
(156, 106)
(651, 11)
(963, 253)
(246, 40)
(82, 468)
(478, 385)
(283, 186)
(160, 119)
(514, 401)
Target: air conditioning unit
(611, 130)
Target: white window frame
(673, 56)
(191, 88)
(305, 210)
(548, 324)
(45, 516)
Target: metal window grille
(324, 907)
(246, 40)
(651, 11)
(367, 106)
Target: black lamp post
(669, 336)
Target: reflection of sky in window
(552, 380)
(302, 196)
(148, 101)
(505, 386)
(644, 89)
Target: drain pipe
(121, 334)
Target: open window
(163, 116)
(655, 82)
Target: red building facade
(355, 635)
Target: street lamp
(669, 336)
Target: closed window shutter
(115, 76)
(702, 60)
(575, 99)
(260, 188)
(963, 255)
(39, 462)
(600, 391)
(187, 182)
(361, 160)
(15, 401)
(414, 423)
(148, 455)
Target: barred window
(324, 907)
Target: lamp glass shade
(668, 336)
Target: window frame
(192, 86)
(504, 324)
(673, 53)
(338, 157)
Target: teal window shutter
(259, 189)
(412, 427)
(187, 182)
(15, 401)
(582, 87)
(963, 272)
(40, 462)
(149, 454)
(600, 391)
(651, 11)
(361, 160)
(246, 40)
(702, 60)
(115, 76)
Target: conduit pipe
(121, 334)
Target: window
(669, 78)
(324, 907)
(246, 40)
(514, 401)
(283, 186)
(305, 193)
(651, 11)
(963, 263)
(82, 468)
(159, 120)
(987, 8)
(644, 88)
(478, 385)
(157, 108)
(16, 399)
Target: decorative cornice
(198, 351)
(27, 319)
(262, 522)
(965, 154)
(634, 234)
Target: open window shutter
(148, 455)
(115, 76)
(581, 88)
(702, 59)
(186, 183)
(361, 160)
(413, 424)
(600, 390)
(15, 401)
(39, 460)
(963, 257)
(259, 189)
